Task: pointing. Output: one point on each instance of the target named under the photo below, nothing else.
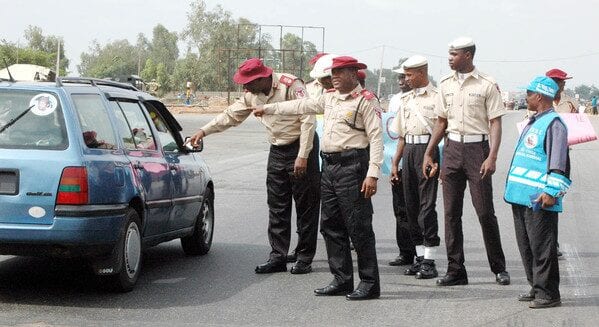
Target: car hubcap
(132, 250)
(207, 230)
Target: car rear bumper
(76, 231)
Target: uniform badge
(531, 140)
(300, 93)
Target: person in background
(407, 250)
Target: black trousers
(347, 214)
(536, 234)
(282, 187)
(402, 227)
(421, 196)
(461, 164)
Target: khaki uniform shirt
(315, 89)
(470, 105)
(566, 104)
(281, 130)
(423, 100)
(339, 110)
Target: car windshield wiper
(14, 120)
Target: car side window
(122, 125)
(138, 126)
(94, 121)
(164, 132)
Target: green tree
(295, 55)
(37, 42)
(163, 49)
(113, 60)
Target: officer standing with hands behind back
(469, 110)
(292, 170)
(352, 152)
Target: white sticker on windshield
(43, 104)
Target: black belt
(343, 157)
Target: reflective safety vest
(528, 176)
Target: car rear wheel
(130, 255)
(200, 241)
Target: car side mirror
(191, 148)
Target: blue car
(97, 169)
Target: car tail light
(73, 186)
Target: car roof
(111, 89)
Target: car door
(186, 173)
(147, 161)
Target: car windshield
(31, 120)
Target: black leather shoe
(414, 268)
(427, 270)
(503, 278)
(301, 268)
(451, 280)
(402, 260)
(544, 303)
(334, 289)
(292, 257)
(271, 267)
(525, 297)
(364, 292)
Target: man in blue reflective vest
(537, 181)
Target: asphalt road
(222, 289)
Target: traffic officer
(292, 171)
(321, 73)
(352, 152)
(416, 120)
(562, 102)
(315, 87)
(469, 111)
(538, 179)
(407, 250)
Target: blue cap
(543, 85)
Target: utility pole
(58, 60)
(378, 89)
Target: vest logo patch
(531, 140)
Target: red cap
(361, 74)
(250, 70)
(347, 62)
(557, 74)
(316, 57)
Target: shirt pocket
(476, 104)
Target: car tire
(130, 253)
(200, 241)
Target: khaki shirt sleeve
(234, 115)
(441, 107)
(374, 131)
(495, 107)
(297, 90)
(309, 106)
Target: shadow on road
(169, 279)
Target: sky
(516, 39)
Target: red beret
(347, 62)
(250, 70)
(361, 74)
(557, 74)
(316, 57)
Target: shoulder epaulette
(331, 90)
(287, 80)
(487, 77)
(367, 94)
(446, 77)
